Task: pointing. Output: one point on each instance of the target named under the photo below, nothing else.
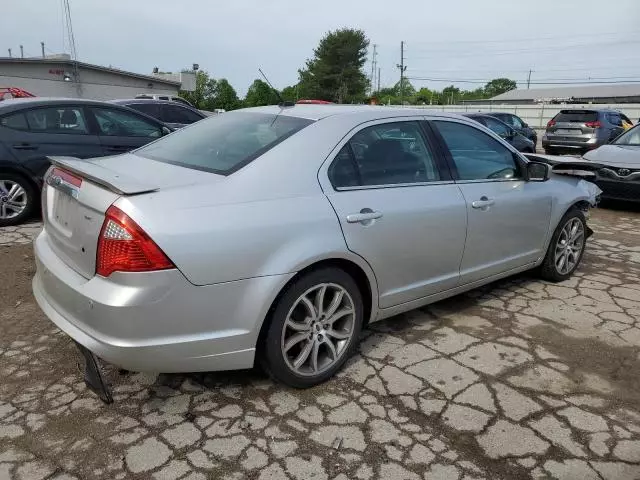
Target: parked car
(619, 178)
(517, 124)
(170, 113)
(169, 98)
(274, 235)
(32, 129)
(500, 128)
(580, 130)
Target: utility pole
(9, 53)
(529, 79)
(21, 52)
(402, 68)
(378, 80)
(42, 45)
(372, 78)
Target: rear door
(508, 217)
(33, 134)
(121, 130)
(398, 209)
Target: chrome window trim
(395, 185)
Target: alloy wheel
(569, 246)
(318, 329)
(13, 199)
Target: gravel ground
(519, 379)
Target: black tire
(31, 197)
(548, 270)
(272, 357)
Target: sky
(461, 42)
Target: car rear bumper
(155, 321)
(571, 143)
(619, 190)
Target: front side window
(498, 127)
(61, 119)
(119, 123)
(630, 137)
(224, 143)
(514, 121)
(17, 121)
(150, 109)
(385, 154)
(475, 154)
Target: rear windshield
(576, 116)
(224, 143)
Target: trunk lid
(78, 192)
(573, 124)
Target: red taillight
(124, 247)
(551, 123)
(595, 124)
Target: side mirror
(166, 131)
(538, 172)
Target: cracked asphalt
(519, 379)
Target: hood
(621, 156)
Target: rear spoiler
(574, 166)
(96, 172)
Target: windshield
(224, 143)
(630, 137)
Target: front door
(121, 130)
(399, 210)
(508, 218)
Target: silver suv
(580, 130)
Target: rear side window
(57, 120)
(17, 121)
(150, 109)
(576, 116)
(614, 119)
(385, 154)
(177, 114)
(224, 143)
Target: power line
(478, 81)
(527, 39)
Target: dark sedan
(171, 113)
(519, 141)
(35, 128)
(517, 124)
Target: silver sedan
(274, 235)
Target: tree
(225, 96)
(450, 94)
(498, 86)
(290, 94)
(335, 71)
(407, 93)
(259, 94)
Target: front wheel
(313, 329)
(566, 247)
(17, 199)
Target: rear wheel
(314, 328)
(566, 247)
(17, 199)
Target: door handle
(365, 215)
(25, 146)
(484, 202)
(118, 148)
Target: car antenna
(282, 101)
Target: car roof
(13, 104)
(364, 112)
(128, 101)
